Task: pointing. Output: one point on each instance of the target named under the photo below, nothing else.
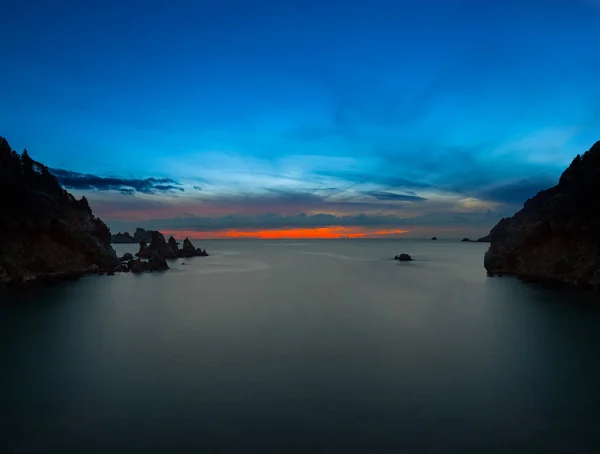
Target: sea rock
(188, 249)
(158, 244)
(122, 238)
(465, 240)
(174, 245)
(434, 239)
(144, 252)
(138, 266)
(142, 234)
(484, 239)
(403, 257)
(122, 268)
(157, 262)
(555, 237)
(46, 234)
(201, 252)
(126, 257)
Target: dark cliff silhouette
(555, 237)
(45, 233)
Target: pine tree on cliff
(27, 164)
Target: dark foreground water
(313, 347)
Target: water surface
(302, 346)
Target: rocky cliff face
(45, 233)
(555, 237)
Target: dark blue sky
(426, 115)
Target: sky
(302, 118)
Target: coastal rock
(434, 239)
(188, 249)
(158, 244)
(465, 240)
(555, 237)
(45, 233)
(157, 262)
(126, 257)
(174, 245)
(484, 239)
(144, 252)
(138, 266)
(403, 257)
(142, 234)
(122, 238)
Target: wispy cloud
(128, 186)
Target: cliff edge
(555, 237)
(45, 233)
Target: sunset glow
(333, 232)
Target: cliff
(45, 233)
(555, 237)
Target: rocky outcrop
(45, 233)
(142, 234)
(174, 246)
(126, 257)
(122, 238)
(555, 237)
(403, 258)
(144, 252)
(434, 239)
(159, 244)
(465, 240)
(484, 239)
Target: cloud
(383, 195)
(197, 188)
(517, 192)
(126, 186)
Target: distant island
(555, 237)
(139, 235)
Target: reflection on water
(327, 346)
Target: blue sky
(423, 115)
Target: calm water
(315, 346)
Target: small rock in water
(403, 257)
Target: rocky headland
(45, 233)
(555, 237)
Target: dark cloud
(516, 193)
(197, 188)
(127, 186)
(383, 195)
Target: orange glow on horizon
(333, 232)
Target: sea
(316, 346)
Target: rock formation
(158, 244)
(142, 234)
(144, 252)
(465, 240)
(434, 239)
(174, 246)
(555, 237)
(45, 233)
(484, 239)
(122, 238)
(403, 257)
